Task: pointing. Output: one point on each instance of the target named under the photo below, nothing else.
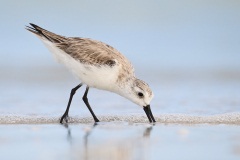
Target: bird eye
(140, 94)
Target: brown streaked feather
(88, 51)
(52, 37)
(96, 53)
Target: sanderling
(97, 65)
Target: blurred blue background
(187, 50)
(161, 35)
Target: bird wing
(45, 34)
(90, 51)
(86, 50)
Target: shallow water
(197, 113)
(120, 140)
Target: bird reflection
(88, 132)
(147, 132)
(69, 135)
(117, 150)
(85, 137)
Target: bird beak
(149, 114)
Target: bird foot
(64, 118)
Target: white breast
(103, 77)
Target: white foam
(228, 118)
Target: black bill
(149, 114)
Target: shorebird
(97, 65)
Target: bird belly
(98, 77)
(101, 77)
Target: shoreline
(227, 118)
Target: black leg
(65, 115)
(85, 99)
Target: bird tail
(45, 34)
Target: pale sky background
(163, 34)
